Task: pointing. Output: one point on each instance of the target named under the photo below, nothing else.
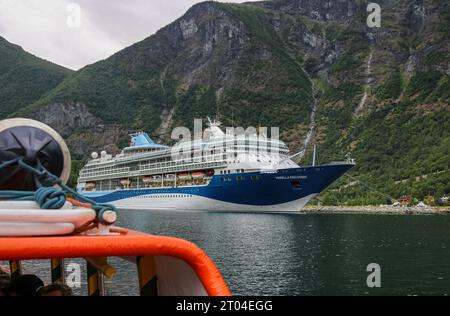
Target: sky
(75, 33)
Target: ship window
(296, 184)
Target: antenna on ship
(213, 123)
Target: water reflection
(264, 254)
(314, 254)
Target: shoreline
(389, 210)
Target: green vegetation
(435, 57)
(74, 173)
(389, 139)
(443, 26)
(310, 64)
(262, 32)
(345, 63)
(442, 91)
(24, 78)
(392, 87)
(115, 92)
(409, 41)
(422, 84)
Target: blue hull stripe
(282, 186)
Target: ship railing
(176, 163)
(346, 162)
(102, 172)
(133, 157)
(150, 171)
(236, 147)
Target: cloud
(106, 27)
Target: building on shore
(404, 200)
(444, 200)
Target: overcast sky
(48, 28)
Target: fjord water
(276, 254)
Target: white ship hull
(198, 203)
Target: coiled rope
(47, 196)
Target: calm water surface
(265, 254)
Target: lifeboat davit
(156, 179)
(169, 177)
(41, 222)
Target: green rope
(47, 196)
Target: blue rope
(46, 196)
(50, 198)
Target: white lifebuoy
(25, 218)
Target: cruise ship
(220, 172)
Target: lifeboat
(124, 182)
(147, 179)
(184, 176)
(38, 221)
(198, 175)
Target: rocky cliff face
(311, 67)
(342, 11)
(80, 128)
(67, 118)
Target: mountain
(313, 68)
(24, 78)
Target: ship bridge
(141, 141)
